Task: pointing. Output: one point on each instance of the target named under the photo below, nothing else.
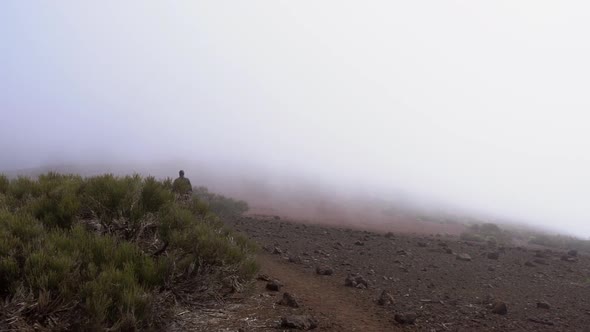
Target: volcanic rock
(299, 322)
(274, 285)
(464, 257)
(289, 300)
(500, 308)
(405, 318)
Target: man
(182, 186)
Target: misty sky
(483, 104)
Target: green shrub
(22, 189)
(466, 236)
(154, 196)
(4, 183)
(53, 262)
(59, 202)
(560, 241)
(220, 204)
(110, 197)
(489, 228)
(487, 232)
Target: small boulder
(277, 251)
(449, 251)
(422, 244)
(357, 281)
(361, 286)
(572, 253)
(543, 305)
(464, 257)
(529, 264)
(405, 318)
(274, 285)
(359, 243)
(299, 322)
(289, 301)
(385, 298)
(295, 259)
(499, 308)
(324, 270)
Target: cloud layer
(481, 105)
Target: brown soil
(445, 293)
(335, 307)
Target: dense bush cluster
(560, 241)
(109, 252)
(220, 204)
(486, 232)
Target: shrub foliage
(486, 232)
(220, 204)
(104, 252)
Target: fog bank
(480, 106)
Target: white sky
(479, 103)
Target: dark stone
(324, 270)
(405, 318)
(355, 280)
(289, 300)
(274, 285)
(295, 259)
(543, 305)
(299, 322)
(464, 257)
(385, 298)
(500, 308)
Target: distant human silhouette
(182, 185)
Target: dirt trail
(337, 307)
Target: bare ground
(421, 274)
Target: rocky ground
(340, 279)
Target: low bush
(466, 236)
(99, 253)
(220, 204)
(4, 183)
(560, 242)
(487, 232)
